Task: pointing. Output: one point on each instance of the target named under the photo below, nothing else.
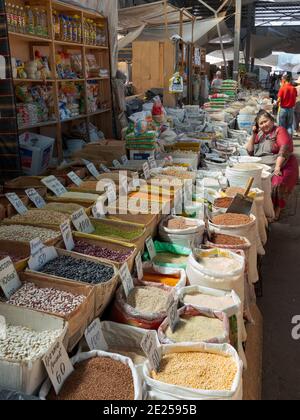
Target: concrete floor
(280, 303)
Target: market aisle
(280, 303)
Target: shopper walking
(274, 145)
(287, 96)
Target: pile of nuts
(46, 299)
(62, 207)
(25, 345)
(79, 270)
(231, 219)
(85, 248)
(27, 233)
(41, 217)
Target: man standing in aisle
(217, 83)
(287, 96)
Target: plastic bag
(176, 84)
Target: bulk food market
(149, 185)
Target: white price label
(9, 279)
(126, 279)
(136, 183)
(35, 245)
(94, 336)
(149, 346)
(104, 168)
(124, 159)
(98, 210)
(93, 170)
(3, 330)
(17, 203)
(111, 193)
(75, 178)
(81, 222)
(42, 257)
(151, 248)
(172, 311)
(53, 184)
(152, 162)
(36, 198)
(117, 164)
(146, 170)
(58, 365)
(67, 235)
(139, 266)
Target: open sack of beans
(205, 298)
(196, 325)
(182, 231)
(199, 371)
(172, 277)
(145, 307)
(98, 376)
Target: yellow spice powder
(197, 370)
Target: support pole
(237, 38)
(222, 48)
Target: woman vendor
(275, 146)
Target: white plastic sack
(239, 175)
(188, 238)
(138, 391)
(259, 213)
(162, 391)
(267, 188)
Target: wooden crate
(14, 248)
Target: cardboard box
(36, 153)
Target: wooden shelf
(90, 79)
(29, 37)
(44, 124)
(103, 111)
(70, 80)
(69, 44)
(80, 117)
(34, 81)
(95, 47)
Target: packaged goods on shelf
(68, 66)
(71, 101)
(27, 20)
(36, 152)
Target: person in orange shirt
(287, 96)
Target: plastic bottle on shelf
(101, 39)
(70, 29)
(85, 31)
(37, 20)
(64, 28)
(9, 16)
(78, 28)
(44, 23)
(56, 26)
(22, 20)
(30, 25)
(74, 30)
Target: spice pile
(197, 370)
(216, 303)
(148, 299)
(100, 378)
(46, 299)
(179, 223)
(196, 329)
(43, 217)
(233, 191)
(231, 219)
(27, 233)
(78, 270)
(178, 174)
(85, 248)
(26, 345)
(220, 239)
(117, 232)
(223, 203)
(169, 280)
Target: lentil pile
(197, 370)
(195, 329)
(85, 248)
(46, 300)
(111, 231)
(25, 345)
(148, 299)
(233, 191)
(100, 378)
(180, 223)
(80, 196)
(27, 233)
(15, 258)
(231, 219)
(220, 239)
(78, 270)
(62, 207)
(223, 203)
(41, 217)
(217, 303)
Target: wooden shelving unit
(23, 47)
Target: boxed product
(36, 152)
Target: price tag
(9, 279)
(104, 168)
(35, 246)
(111, 193)
(149, 346)
(139, 266)
(81, 222)
(3, 330)
(53, 184)
(136, 183)
(152, 162)
(67, 235)
(98, 210)
(58, 365)
(94, 336)
(172, 311)
(126, 279)
(117, 164)
(146, 170)
(75, 179)
(42, 257)
(93, 170)
(36, 198)
(124, 159)
(151, 248)
(17, 203)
